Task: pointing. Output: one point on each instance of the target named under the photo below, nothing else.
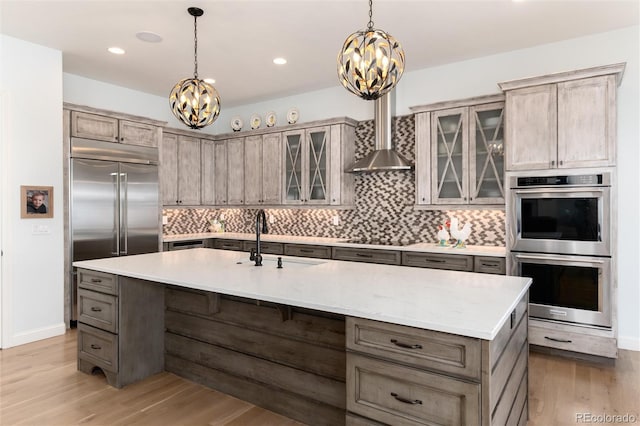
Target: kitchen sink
(271, 261)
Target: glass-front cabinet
(460, 152)
(306, 154)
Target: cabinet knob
(553, 162)
(561, 162)
(122, 139)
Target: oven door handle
(568, 260)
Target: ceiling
(238, 39)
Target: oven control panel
(566, 180)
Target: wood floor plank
(40, 385)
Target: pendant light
(193, 101)
(371, 62)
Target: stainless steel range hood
(384, 157)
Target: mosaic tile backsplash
(384, 207)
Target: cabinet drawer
(455, 262)
(223, 244)
(427, 349)
(575, 342)
(99, 310)
(98, 347)
(489, 265)
(267, 247)
(387, 257)
(304, 250)
(399, 395)
(98, 281)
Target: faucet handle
(252, 254)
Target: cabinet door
(531, 128)
(235, 171)
(315, 173)
(94, 126)
(587, 122)
(449, 156)
(134, 133)
(169, 169)
(272, 169)
(253, 170)
(220, 173)
(486, 154)
(188, 170)
(423, 157)
(208, 181)
(292, 151)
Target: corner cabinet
(563, 120)
(459, 152)
(314, 163)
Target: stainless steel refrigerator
(114, 207)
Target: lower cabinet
(398, 375)
(455, 262)
(114, 338)
(386, 257)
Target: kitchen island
(321, 341)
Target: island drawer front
(432, 350)
(191, 301)
(575, 342)
(304, 250)
(386, 257)
(98, 281)
(455, 262)
(97, 309)
(98, 347)
(399, 395)
(267, 247)
(490, 265)
(224, 244)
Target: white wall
(31, 143)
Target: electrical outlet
(272, 219)
(336, 220)
(165, 220)
(222, 217)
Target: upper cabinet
(180, 174)
(314, 163)
(263, 169)
(113, 129)
(459, 152)
(563, 120)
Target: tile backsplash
(384, 207)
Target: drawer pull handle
(96, 280)
(305, 251)
(94, 346)
(406, 345)
(553, 339)
(490, 265)
(368, 256)
(405, 400)
(434, 260)
(96, 309)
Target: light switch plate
(165, 220)
(40, 230)
(336, 220)
(272, 219)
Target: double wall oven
(559, 234)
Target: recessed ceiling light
(210, 80)
(116, 50)
(149, 37)
(279, 61)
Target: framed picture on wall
(37, 202)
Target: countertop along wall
(453, 81)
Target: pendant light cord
(370, 24)
(195, 48)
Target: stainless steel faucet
(260, 216)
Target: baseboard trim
(629, 343)
(34, 335)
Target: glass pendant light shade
(371, 62)
(193, 101)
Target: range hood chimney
(384, 157)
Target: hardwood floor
(39, 385)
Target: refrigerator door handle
(124, 229)
(115, 246)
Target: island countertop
(463, 303)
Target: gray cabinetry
(456, 262)
(214, 172)
(459, 152)
(111, 129)
(180, 165)
(387, 257)
(563, 120)
(114, 337)
(263, 169)
(235, 171)
(489, 265)
(306, 250)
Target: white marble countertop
(464, 303)
(418, 247)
